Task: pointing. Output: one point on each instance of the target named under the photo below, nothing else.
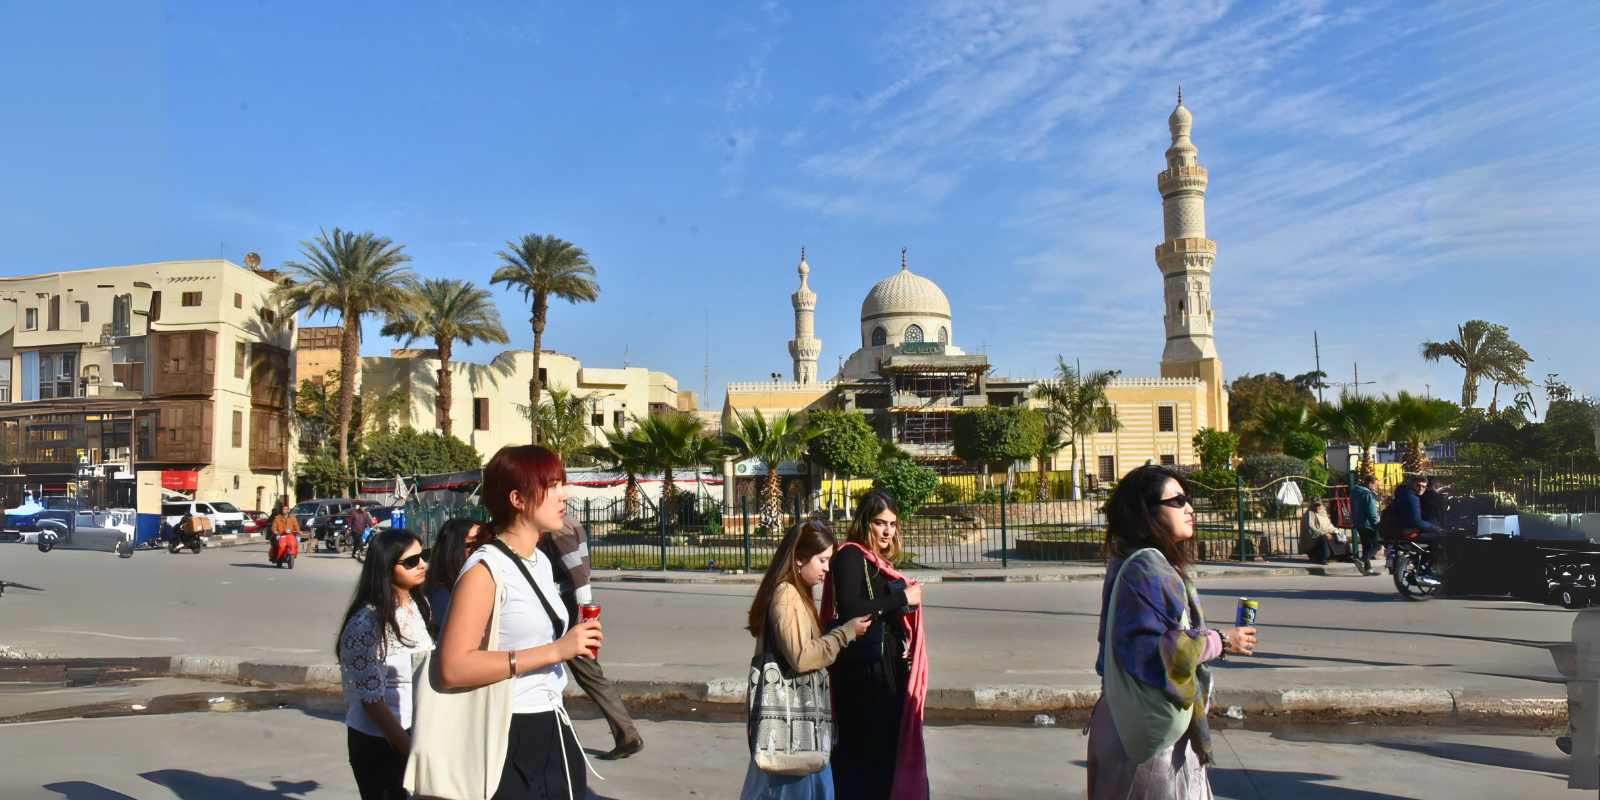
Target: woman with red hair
(524, 490)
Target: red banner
(180, 480)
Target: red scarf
(911, 762)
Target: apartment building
(180, 367)
(488, 399)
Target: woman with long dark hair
(1148, 738)
(524, 490)
(386, 625)
(881, 680)
(457, 539)
(783, 616)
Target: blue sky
(1379, 171)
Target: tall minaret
(804, 347)
(1185, 260)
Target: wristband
(513, 663)
(1224, 654)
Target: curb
(959, 577)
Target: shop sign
(180, 480)
(754, 466)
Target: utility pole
(706, 391)
(1316, 347)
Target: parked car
(254, 521)
(225, 517)
(317, 513)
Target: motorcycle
(285, 547)
(1412, 563)
(194, 540)
(334, 535)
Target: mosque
(910, 380)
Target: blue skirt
(762, 785)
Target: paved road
(291, 753)
(1317, 631)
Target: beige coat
(1314, 525)
(796, 636)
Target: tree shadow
(1348, 595)
(256, 566)
(189, 785)
(1255, 784)
(1488, 756)
(84, 790)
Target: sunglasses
(412, 562)
(1176, 501)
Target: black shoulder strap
(555, 621)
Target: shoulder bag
(790, 719)
(867, 649)
(459, 736)
(1147, 722)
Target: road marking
(114, 636)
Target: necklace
(531, 559)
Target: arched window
(880, 337)
(914, 333)
(944, 335)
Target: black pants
(868, 702)
(380, 770)
(1369, 542)
(586, 671)
(534, 768)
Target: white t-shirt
(376, 665)
(524, 623)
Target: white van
(225, 517)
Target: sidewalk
(1031, 573)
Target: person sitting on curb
(1318, 538)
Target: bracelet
(513, 663)
(1224, 654)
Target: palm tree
(1274, 423)
(563, 418)
(448, 311)
(1080, 404)
(670, 445)
(542, 267)
(353, 275)
(1483, 350)
(1365, 421)
(1419, 421)
(1053, 443)
(782, 439)
(627, 453)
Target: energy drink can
(1247, 613)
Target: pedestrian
(1148, 738)
(784, 617)
(385, 629)
(881, 680)
(456, 541)
(359, 522)
(1364, 518)
(524, 490)
(1318, 538)
(568, 551)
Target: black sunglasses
(1175, 501)
(411, 562)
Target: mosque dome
(905, 294)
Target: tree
(542, 267)
(1050, 445)
(324, 474)
(628, 454)
(1248, 393)
(1083, 408)
(1482, 350)
(910, 484)
(563, 419)
(997, 433)
(448, 311)
(782, 439)
(669, 442)
(1273, 425)
(316, 414)
(842, 442)
(1419, 421)
(1564, 441)
(352, 275)
(1215, 448)
(407, 451)
(1364, 421)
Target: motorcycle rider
(281, 524)
(1404, 515)
(193, 525)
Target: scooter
(359, 550)
(181, 539)
(335, 535)
(285, 547)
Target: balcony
(183, 363)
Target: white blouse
(375, 665)
(524, 623)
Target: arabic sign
(180, 480)
(753, 466)
(922, 349)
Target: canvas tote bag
(459, 737)
(790, 716)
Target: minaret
(1185, 260)
(804, 347)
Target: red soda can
(586, 612)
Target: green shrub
(948, 493)
(1306, 446)
(909, 484)
(987, 496)
(997, 433)
(407, 452)
(1215, 448)
(1259, 470)
(1212, 479)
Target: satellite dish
(252, 260)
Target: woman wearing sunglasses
(1148, 737)
(387, 624)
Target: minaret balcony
(1186, 246)
(1181, 178)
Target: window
(1108, 469)
(544, 377)
(57, 375)
(597, 420)
(5, 380)
(617, 418)
(318, 379)
(30, 319)
(155, 306)
(1166, 419)
(83, 312)
(944, 335)
(55, 313)
(1169, 461)
(238, 429)
(880, 337)
(480, 413)
(191, 299)
(238, 300)
(241, 355)
(914, 333)
(122, 315)
(269, 316)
